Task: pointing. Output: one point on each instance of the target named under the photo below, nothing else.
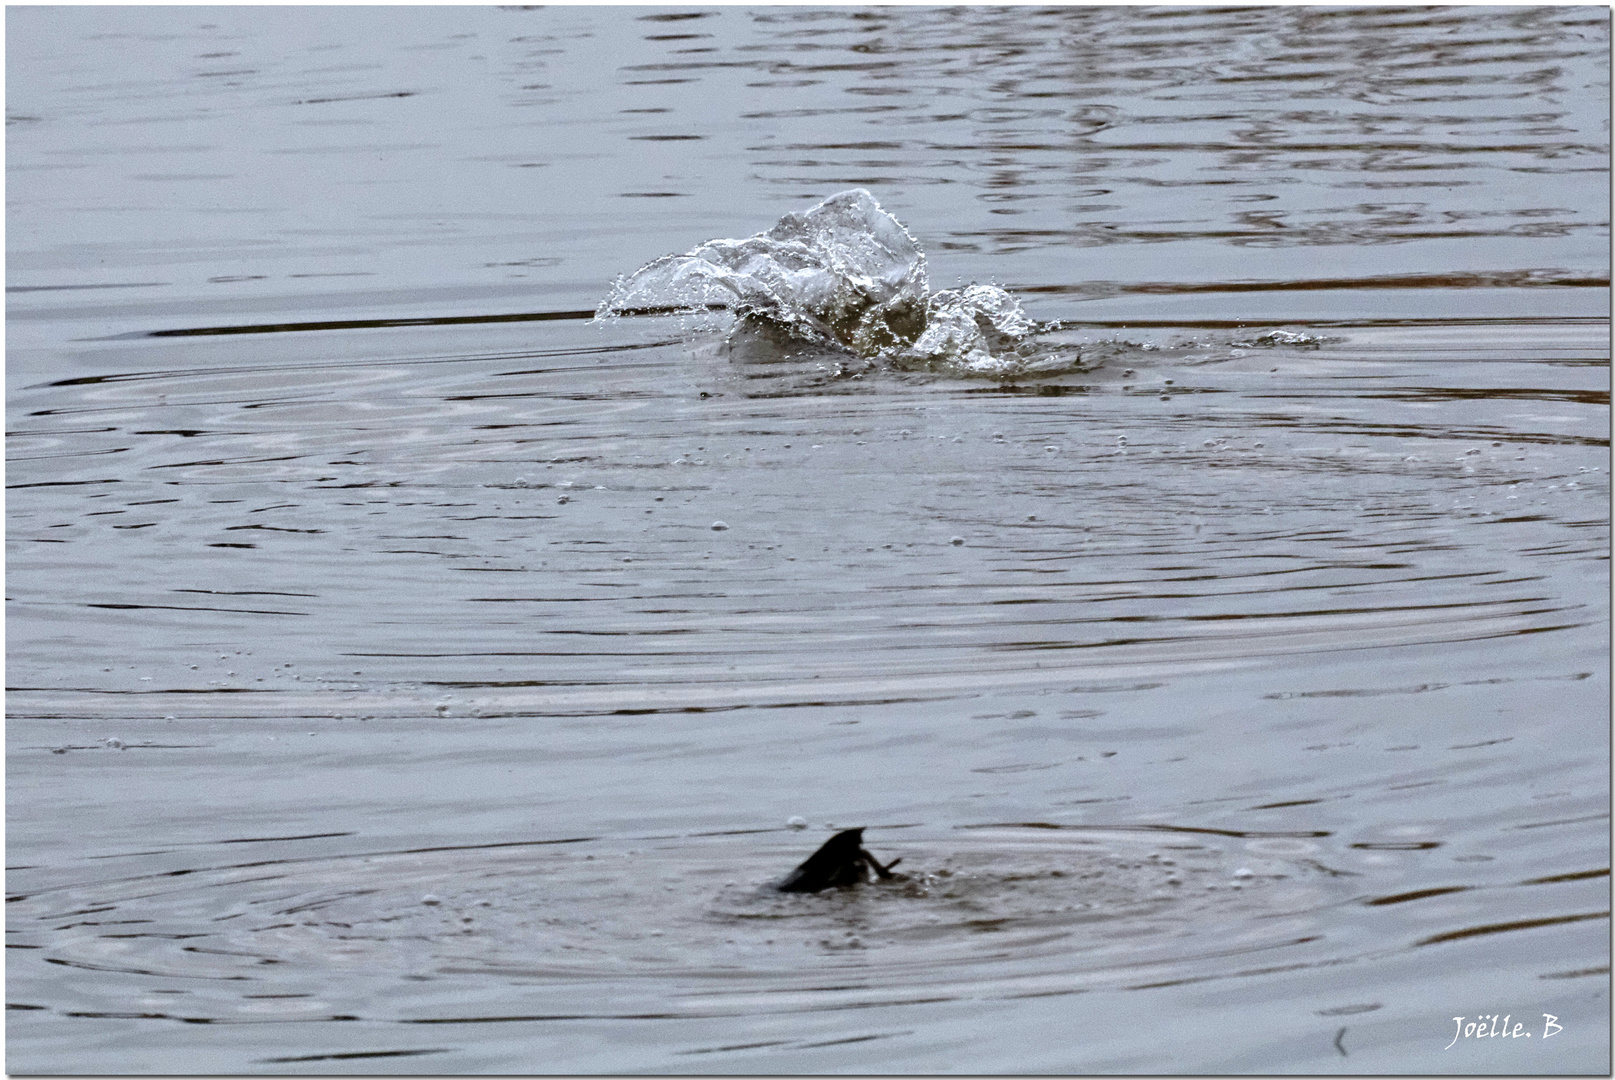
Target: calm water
(384, 696)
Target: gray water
(384, 696)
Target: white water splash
(845, 273)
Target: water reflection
(1091, 114)
(1384, 136)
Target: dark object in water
(841, 861)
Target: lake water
(1233, 681)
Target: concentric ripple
(988, 911)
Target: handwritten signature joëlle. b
(1488, 1027)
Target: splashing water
(846, 274)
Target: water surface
(384, 694)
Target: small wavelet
(684, 926)
(845, 274)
